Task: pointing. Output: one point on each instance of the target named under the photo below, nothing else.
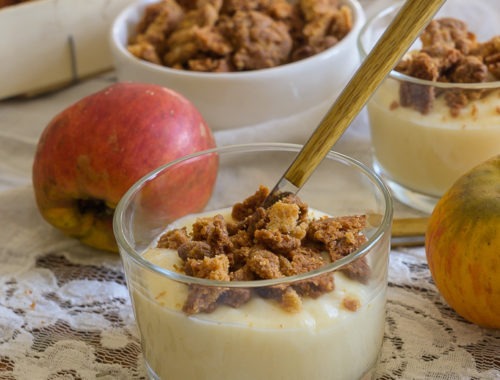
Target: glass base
(369, 375)
(414, 199)
(151, 374)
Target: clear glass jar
(421, 151)
(259, 340)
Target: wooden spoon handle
(408, 232)
(409, 226)
(398, 37)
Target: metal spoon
(397, 38)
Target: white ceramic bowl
(232, 100)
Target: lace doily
(65, 312)
(424, 337)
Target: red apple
(93, 151)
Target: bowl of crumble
(437, 114)
(244, 290)
(242, 63)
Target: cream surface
(427, 153)
(258, 340)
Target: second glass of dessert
(437, 114)
(225, 286)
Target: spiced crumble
(7, 3)
(237, 35)
(450, 53)
(265, 243)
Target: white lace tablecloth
(65, 312)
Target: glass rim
(126, 247)
(407, 78)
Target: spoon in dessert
(397, 38)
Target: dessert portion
(259, 243)
(450, 53)
(235, 35)
(325, 326)
(425, 136)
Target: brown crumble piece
(237, 35)
(394, 105)
(474, 111)
(450, 53)
(161, 294)
(416, 96)
(265, 243)
(490, 51)
(291, 301)
(351, 303)
(357, 270)
(173, 239)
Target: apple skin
(90, 154)
(463, 245)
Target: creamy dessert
(427, 153)
(327, 327)
(424, 136)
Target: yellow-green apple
(463, 245)
(93, 151)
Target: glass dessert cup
(325, 339)
(421, 153)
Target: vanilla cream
(427, 153)
(258, 340)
